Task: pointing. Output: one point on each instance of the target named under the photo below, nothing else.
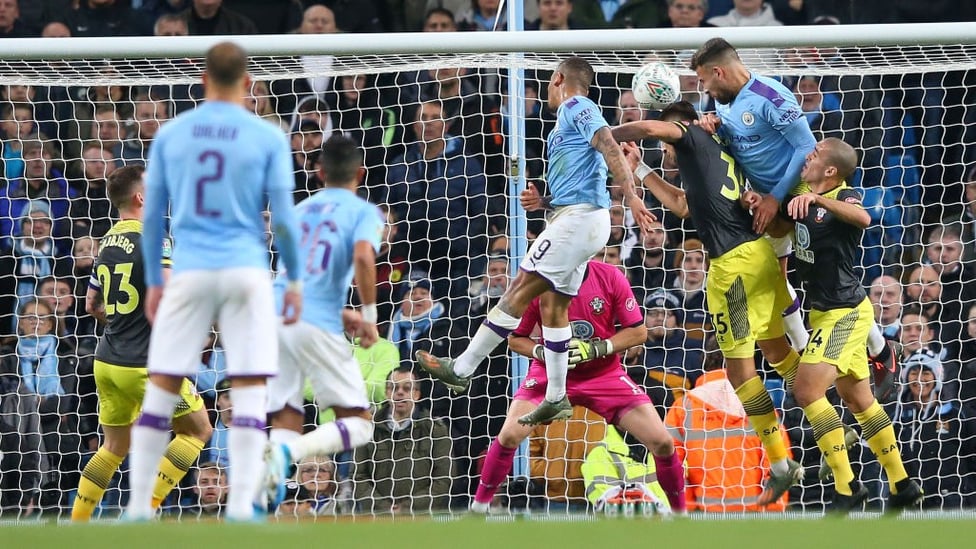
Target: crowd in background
(434, 142)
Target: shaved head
(841, 156)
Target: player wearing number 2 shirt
(216, 168)
(604, 310)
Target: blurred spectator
(439, 20)
(83, 254)
(481, 16)
(926, 290)
(23, 464)
(967, 361)
(210, 490)
(917, 332)
(687, 13)
(296, 504)
(440, 195)
(210, 17)
(35, 255)
(270, 16)
(17, 124)
(106, 18)
(647, 266)
(352, 15)
(56, 29)
(392, 268)
(59, 295)
(747, 13)
(554, 15)
(10, 24)
(171, 25)
(617, 14)
(724, 459)
(886, 296)
(259, 102)
(556, 453)
(944, 251)
(91, 212)
(376, 128)
(483, 293)
(288, 94)
(306, 142)
(407, 466)
(621, 235)
(42, 184)
(689, 288)
(936, 435)
(420, 323)
(217, 450)
(316, 475)
(158, 8)
(148, 116)
(627, 109)
(672, 362)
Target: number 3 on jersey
(114, 282)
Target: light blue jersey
(217, 167)
(332, 221)
(767, 134)
(577, 171)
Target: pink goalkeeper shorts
(611, 394)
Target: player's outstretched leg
(500, 456)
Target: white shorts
(307, 353)
(782, 245)
(573, 236)
(239, 301)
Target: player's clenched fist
(530, 198)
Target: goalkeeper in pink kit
(596, 380)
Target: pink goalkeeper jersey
(605, 300)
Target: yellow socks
(179, 457)
(787, 368)
(762, 416)
(829, 434)
(877, 430)
(94, 481)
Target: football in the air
(656, 86)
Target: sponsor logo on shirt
(790, 116)
(572, 102)
(582, 329)
(630, 304)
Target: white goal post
(901, 94)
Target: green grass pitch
(472, 532)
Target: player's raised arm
(604, 142)
(644, 129)
(671, 197)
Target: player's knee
(510, 438)
(360, 430)
(662, 447)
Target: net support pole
(517, 242)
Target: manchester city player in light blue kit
(341, 235)
(581, 149)
(765, 130)
(216, 168)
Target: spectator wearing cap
(34, 251)
(671, 361)
(42, 183)
(936, 434)
(420, 322)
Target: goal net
(432, 115)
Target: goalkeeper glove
(583, 350)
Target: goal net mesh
(67, 124)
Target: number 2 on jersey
(218, 173)
(122, 276)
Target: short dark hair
(226, 64)
(715, 51)
(577, 69)
(680, 111)
(439, 11)
(341, 159)
(122, 184)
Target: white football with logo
(656, 86)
